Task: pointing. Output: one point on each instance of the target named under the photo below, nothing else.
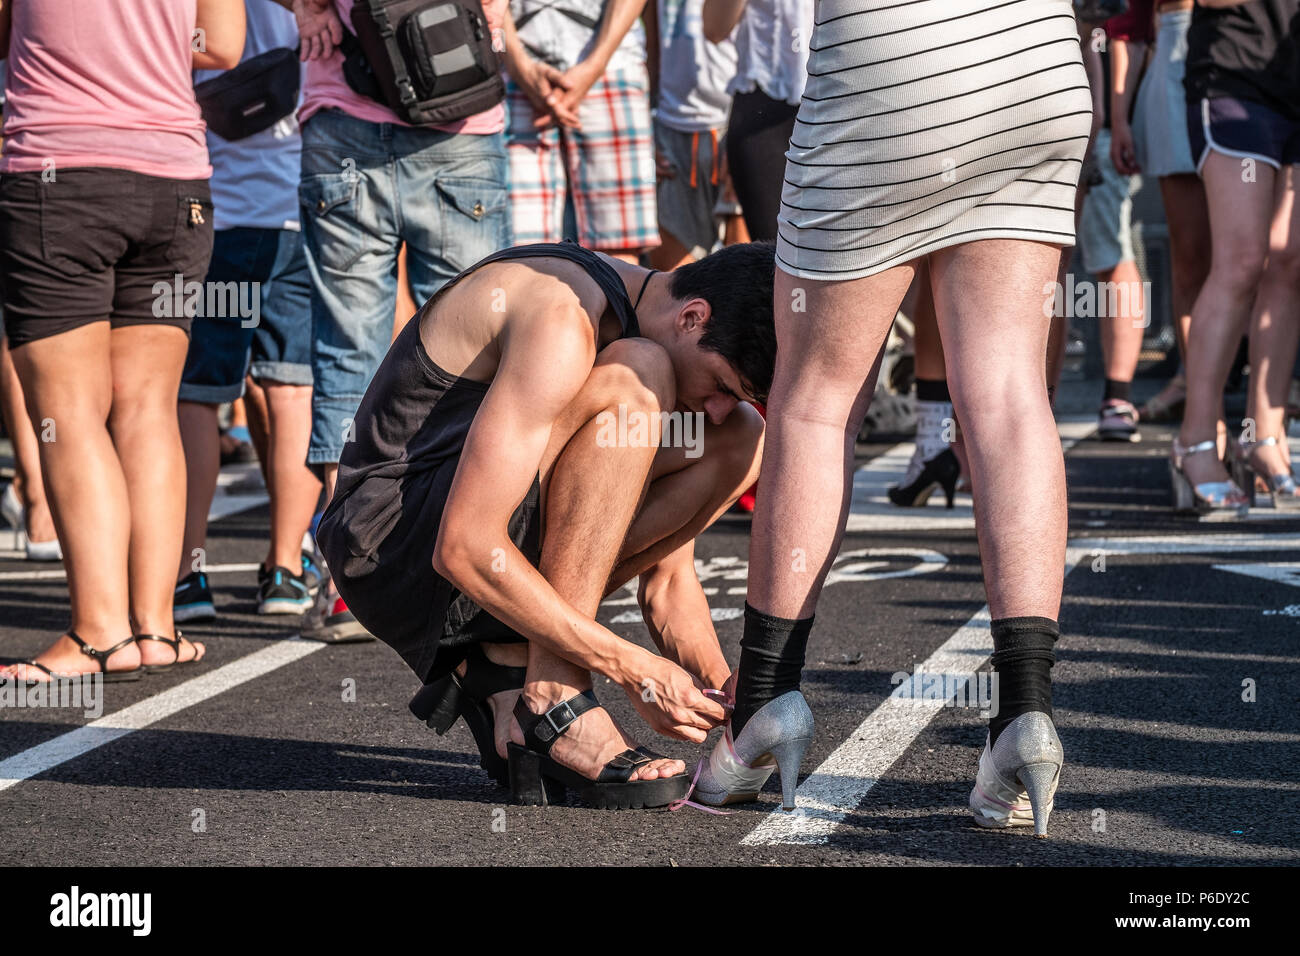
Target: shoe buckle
(568, 716)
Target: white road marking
(1281, 572)
(58, 574)
(836, 788)
(36, 760)
(871, 510)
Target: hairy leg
(989, 299)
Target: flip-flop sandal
(100, 657)
(175, 644)
(538, 780)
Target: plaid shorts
(609, 162)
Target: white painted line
(58, 574)
(36, 760)
(836, 788)
(871, 510)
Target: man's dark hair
(736, 281)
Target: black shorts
(391, 586)
(99, 245)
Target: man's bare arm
(720, 18)
(222, 24)
(677, 615)
(502, 454)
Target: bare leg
(256, 412)
(989, 299)
(1275, 328)
(1240, 213)
(28, 483)
(590, 495)
(1121, 335)
(827, 360)
(147, 362)
(1189, 246)
(670, 253)
(67, 379)
(201, 443)
(293, 487)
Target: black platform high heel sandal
(941, 471)
(456, 695)
(538, 780)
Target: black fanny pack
(429, 61)
(1095, 11)
(252, 96)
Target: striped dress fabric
(930, 123)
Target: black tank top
(415, 417)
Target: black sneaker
(280, 591)
(192, 600)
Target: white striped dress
(929, 123)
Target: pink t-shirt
(104, 83)
(325, 87)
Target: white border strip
(74, 743)
(836, 788)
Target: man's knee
(637, 373)
(737, 446)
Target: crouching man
(506, 472)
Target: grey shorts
(687, 199)
(1104, 225)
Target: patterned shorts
(608, 166)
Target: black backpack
(429, 61)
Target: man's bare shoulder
(524, 287)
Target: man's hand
(319, 28)
(578, 81)
(1123, 154)
(544, 86)
(668, 700)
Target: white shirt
(772, 47)
(693, 73)
(255, 180)
(562, 32)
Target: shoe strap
(1209, 444)
(542, 730)
(173, 642)
(484, 677)
(100, 657)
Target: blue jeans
(275, 344)
(367, 187)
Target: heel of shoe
(529, 787)
(950, 490)
(789, 757)
(1184, 497)
(1039, 780)
(438, 704)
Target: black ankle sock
(1022, 659)
(932, 390)
(1119, 390)
(771, 661)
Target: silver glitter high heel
(1016, 782)
(775, 738)
(1212, 500)
(1281, 487)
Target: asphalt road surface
(1176, 700)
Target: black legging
(758, 135)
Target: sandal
(101, 657)
(455, 695)
(175, 644)
(538, 780)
